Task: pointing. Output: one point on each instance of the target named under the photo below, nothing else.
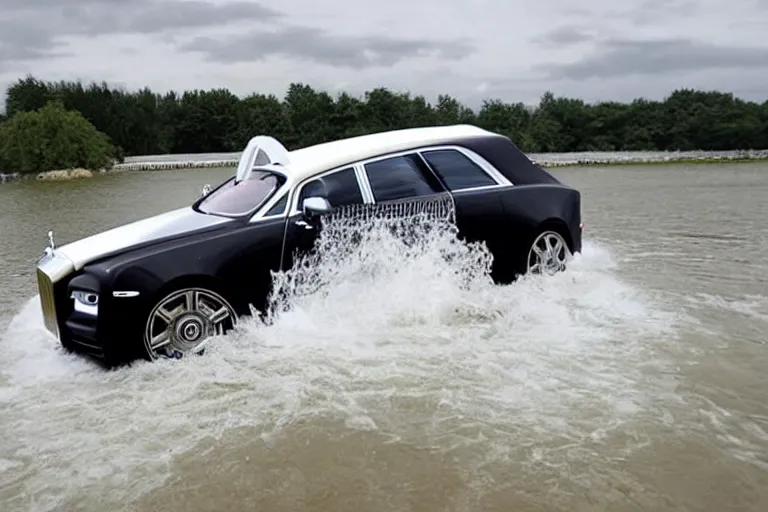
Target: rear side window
(340, 189)
(457, 170)
(401, 177)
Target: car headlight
(86, 302)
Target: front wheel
(184, 322)
(548, 254)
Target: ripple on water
(426, 351)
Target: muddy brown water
(637, 380)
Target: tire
(184, 321)
(549, 253)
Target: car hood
(176, 222)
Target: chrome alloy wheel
(184, 321)
(549, 254)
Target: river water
(636, 380)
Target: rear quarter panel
(527, 207)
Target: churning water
(394, 328)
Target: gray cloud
(565, 35)
(621, 57)
(319, 46)
(651, 11)
(18, 43)
(197, 14)
(28, 35)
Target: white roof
(308, 161)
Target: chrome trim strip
(125, 294)
(484, 187)
(261, 213)
(364, 184)
(481, 162)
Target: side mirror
(313, 206)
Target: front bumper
(73, 329)
(108, 333)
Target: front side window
(401, 177)
(456, 170)
(339, 188)
(236, 199)
(279, 207)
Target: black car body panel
(514, 201)
(502, 153)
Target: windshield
(236, 199)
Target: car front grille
(47, 302)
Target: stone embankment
(65, 175)
(58, 175)
(171, 165)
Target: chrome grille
(47, 303)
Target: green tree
(52, 138)
(146, 122)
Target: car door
(480, 215)
(340, 188)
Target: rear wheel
(184, 321)
(548, 254)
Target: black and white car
(163, 286)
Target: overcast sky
(473, 49)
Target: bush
(52, 138)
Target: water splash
(390, 327)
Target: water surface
(634, 381)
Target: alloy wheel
(185, 321)
(548, 254)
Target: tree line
(144, 122)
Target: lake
(636, 380)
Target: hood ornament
(51, 245)
(206, 190)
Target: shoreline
(552, 160)
(547, 160)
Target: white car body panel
(174, 222)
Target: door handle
(304, 224)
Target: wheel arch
(555, 224)
(197, 280)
